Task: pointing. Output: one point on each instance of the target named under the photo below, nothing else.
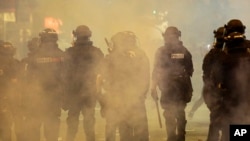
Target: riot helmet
(7, 48)
(123, 40)
(235, 31)
(172, 31)
(82, 31)
(219, 33)
(48, 35)
(33, 44)
(219, 37)
(171, 35)
(235, 25)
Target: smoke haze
(196, 19)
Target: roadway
(196, 129)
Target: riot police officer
(82, 67)
(232, 75)
(32, 46)
(44, 99)
(8, 85)
(15, 97)
(24, 85)
(125, 82)
(172, 73)
(211, 95)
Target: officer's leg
(19, 123)
(110, 130)
(52, 121)
(170, 121)
(114, 119)
(125, 130)
(5, 133)
(214, 126)
(33, 128)
(225, 126)
(225, 132)
(181, 122)
(213, 132)
(19, 128)
(88, 111)
(5, 126)
(112, 123)
(73, 121)
(140, 122)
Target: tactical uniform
(8, 76)
(23, 91)
(210, 93)
(14, 94)
(32, 45)
(82, 67)
(44, 99)
(233, 76)
(126, 82)
(171, 73)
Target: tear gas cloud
(147, 18)
(196, 19)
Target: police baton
(108, 44)
(158, 113)
(155, 97)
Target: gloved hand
(154, 94)
(191, 114)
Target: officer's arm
(155, 75)
(190, 67)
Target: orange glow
(54, 23)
